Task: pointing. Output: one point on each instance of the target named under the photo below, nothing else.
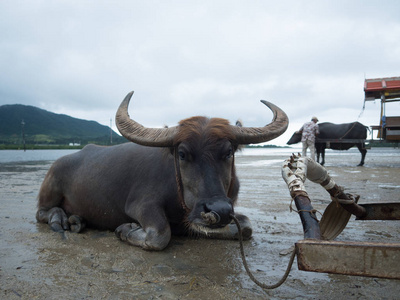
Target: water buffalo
(329, 131)
(177, 180)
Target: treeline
(29, 125)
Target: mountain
(40, 126)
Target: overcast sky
(212, 58)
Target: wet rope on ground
(260, 284)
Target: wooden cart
(387, 90)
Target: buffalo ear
(238, 147)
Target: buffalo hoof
(245, 226)
(55, 217)
(360, 164)
(127, 230)
(135, 235)
(77, 224)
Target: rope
(312, 211)
(351, 128)
(179, 181)
(260, 284)
(344, 201)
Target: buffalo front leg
(322, 157)
(363, 151)
(151, 232)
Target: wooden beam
(349, 258)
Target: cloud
(187, 58)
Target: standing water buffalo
(178, 180)
(329, 131)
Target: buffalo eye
(182, 155)
(229, 153)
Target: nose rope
(260, 284)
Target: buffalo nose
(219, 212)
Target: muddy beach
(36, 263)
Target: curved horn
(137, 133)
(254, 135)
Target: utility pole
(23, 134)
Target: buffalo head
(203, 150)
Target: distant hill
(44, 127)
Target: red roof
(375, 88)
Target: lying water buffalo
(178, 180)
(329, 131)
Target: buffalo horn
(137, 133)
(254, 135)
(164, 137)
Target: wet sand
(36, 263)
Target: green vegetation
(37, 147)
(40, 129)
(378, 143)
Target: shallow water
(38, 263)
(18, 156)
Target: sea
(391, 155)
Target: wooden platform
(392, 128)
(386, 90)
